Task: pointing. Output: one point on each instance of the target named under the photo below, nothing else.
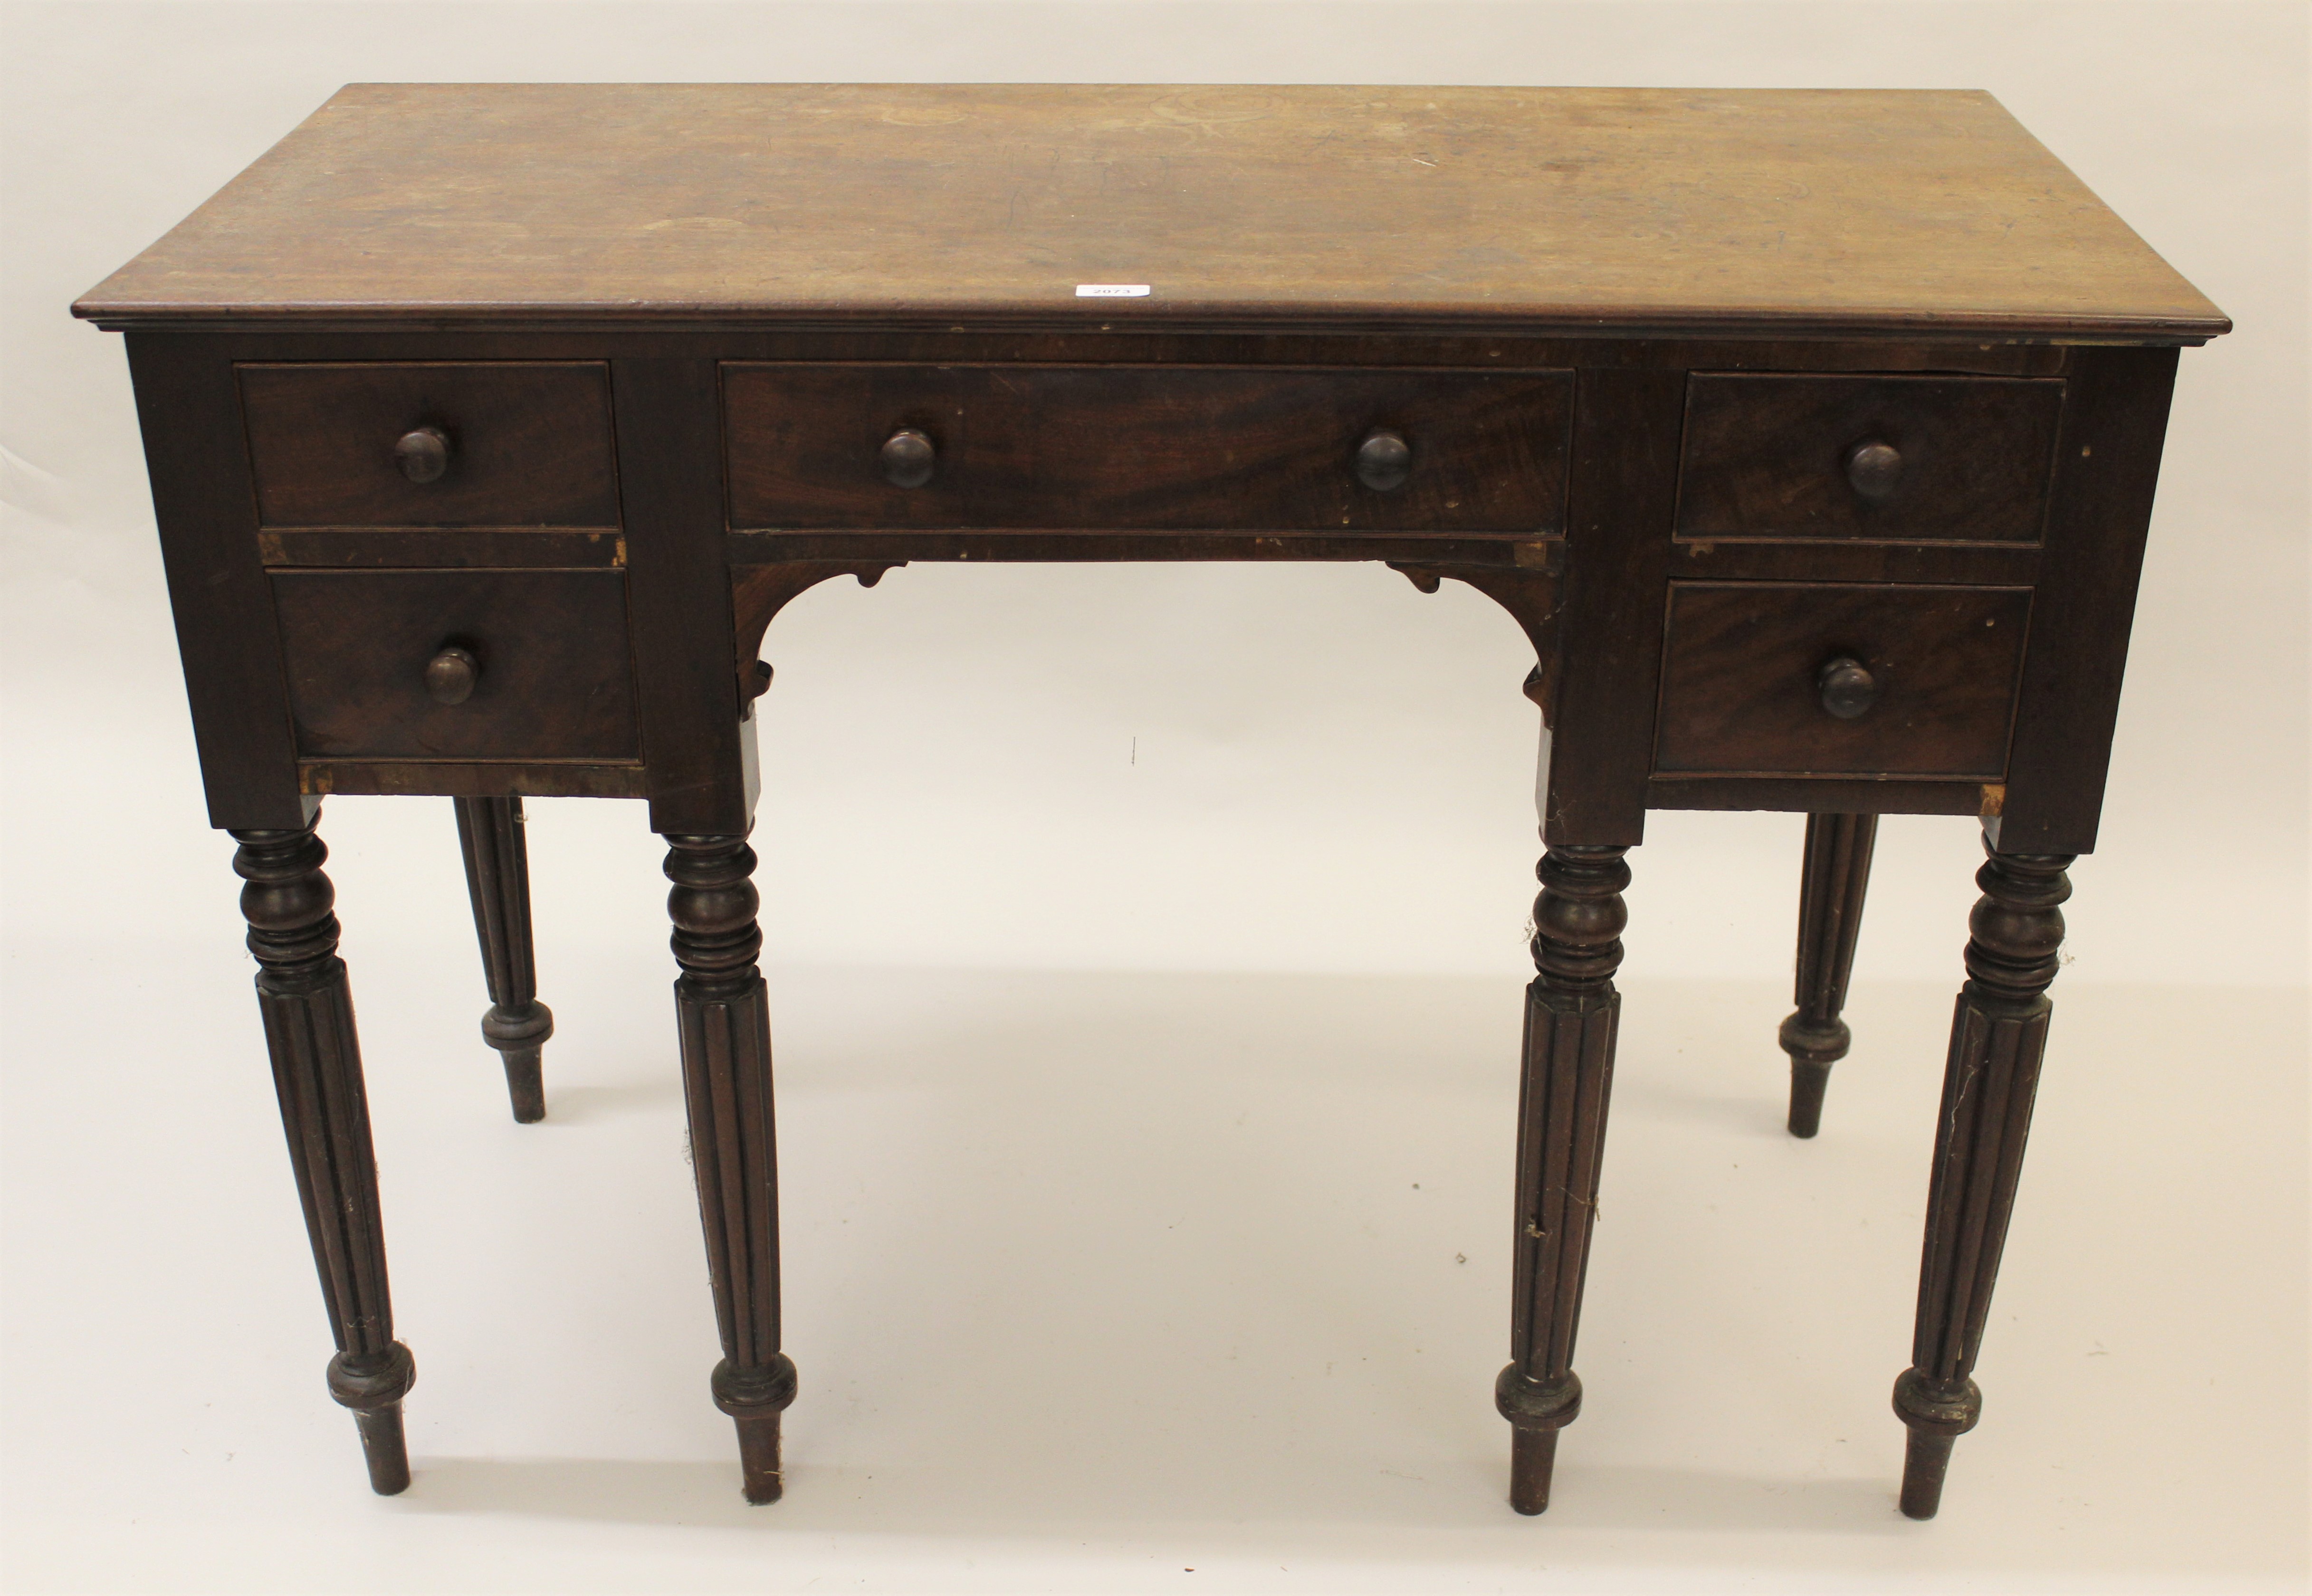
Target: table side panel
(668, 418)
(204, 502)
(2107, 472)
(1623, 498)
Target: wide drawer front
(1911, 460)
(1174, 448)
(1804, 679)
(375, 669)
(432, 443)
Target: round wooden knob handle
(908, 458)
(1384, 461)
(451, 675)
(1875, 470)
(422, 453)
(1847, 689)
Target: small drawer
(431, 444)
(1775, 679)
(548, 677)
(1895, 460)
(1221, 449)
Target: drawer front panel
(1742, 692)
(1212, 449)
(552, 681)
(1776, 456)
(522, 444)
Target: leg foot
(1810, 1081)
(1836, 875)
(1533, 1456)
(497, 879)
(1572, 1015)
(525, 1067)
(761, 1482)
(1925, 1460)
(1999, 1035)
(387, 1452)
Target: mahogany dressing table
(1811, 438)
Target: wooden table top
(1813, 211)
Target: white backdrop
(1245, 769)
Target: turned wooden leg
(497, 878)
(1998, 1035)
(1836, 875)
(726, 1071)
(309, 1031)
(1571, 1013)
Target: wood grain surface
(529, 443)
(1740, 694)
(1811, 211)
(554, 680)
(1766, 457)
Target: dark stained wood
(1816, 559)
(670, 467)
(1741, 684)
(1998, 1037)
(218, 589)
(1768, 456)
(1775, 211)
(1832, 884)
(726, 1071)
(303, 993)
(723, 339)
(1609, 639)
(1144, 449)
(554, 680)
(528, 444)
(894, 548)
(1570, 1015)
(2107, 469)
(497, 880)
(433, 548)
(490, 778)
(1848, 795)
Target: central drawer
(1220, 449)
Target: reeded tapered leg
(726, 1073)
(1836, 875)
(1571, 1013)
(1998, 1036)
(497, 879)
(309, 1031)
